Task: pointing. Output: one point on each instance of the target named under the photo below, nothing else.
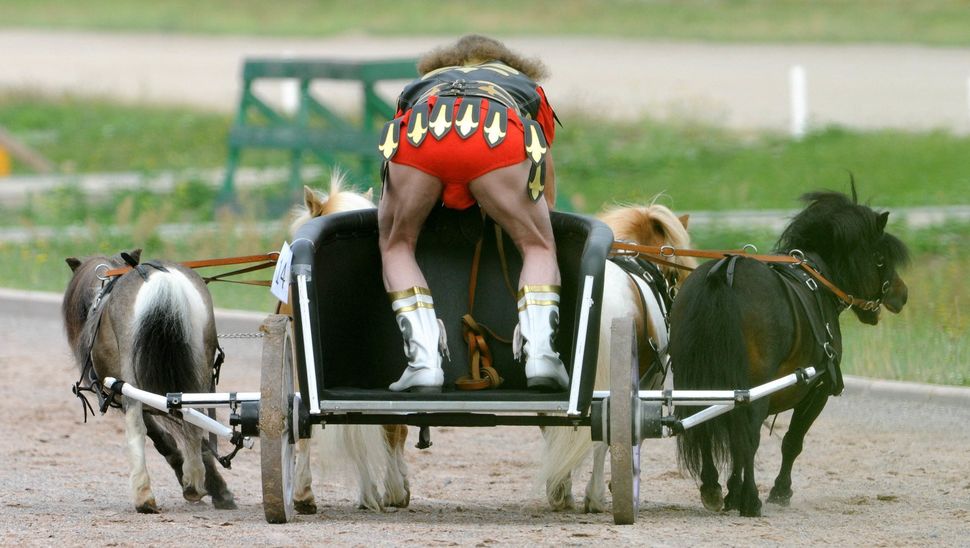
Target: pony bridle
(847, 300)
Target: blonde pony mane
(652, 224)
(318, 204)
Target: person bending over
(474, 128)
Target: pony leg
(367, 448)
(135, 432)
(791, 446)
(711, 494)
(595, 500)
(559, 485)
(303, 499)
(193, 470)
(750, 504)
(397, 489)
(565, 449)
(165, 444)
(732, 501)
(222, 497)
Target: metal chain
(257, 335)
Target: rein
(482, 374)
(795, 257)
(266, 260)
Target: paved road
(740, 86)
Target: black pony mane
(848, 236)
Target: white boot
(538, 324)
(423, 339)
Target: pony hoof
(562, 504)
(780, 498)
(559, 496)
(712, 498)
(193, 494)
(305, 507)
(147, 507)
(225, 503)
(752, 510)
(593, 506)
(402, 502)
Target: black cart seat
(357, 349)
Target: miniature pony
(153, 327)
(376, 452)
(739, 322)
(629, 291)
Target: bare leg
(502, 195)
(408, 198)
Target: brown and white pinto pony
(154, 329)
(375, 452)
(623, 296)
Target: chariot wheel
(624, 402)
(277, 416)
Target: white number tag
(281, 276)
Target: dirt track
(873, 472)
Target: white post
(290, 92)
(799, 100)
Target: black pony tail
(707, 352)
(163, 356)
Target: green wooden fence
(315, 128)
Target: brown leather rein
(664, 255)
(266, 260)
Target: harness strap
(796, 258)
(261, 266)
(202, 263)
(822, 320)
(482, 374)
(649, 274)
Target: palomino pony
(153, 327)
(738, 323)
(375, 452)
(636, 289)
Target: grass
(935, 22)
(700, 168)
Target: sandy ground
(735, 85)
(875, 472)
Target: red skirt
(457, 161)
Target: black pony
(739, 322)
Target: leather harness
(109, 278)
(807, 303)
(643, 270)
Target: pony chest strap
(822, 315)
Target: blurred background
(189, 128)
